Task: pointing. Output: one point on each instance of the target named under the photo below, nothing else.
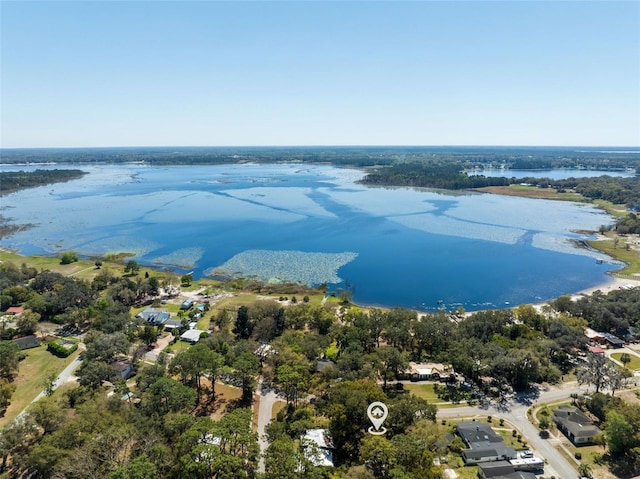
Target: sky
(213, 73)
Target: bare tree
(596, 371)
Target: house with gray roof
(502, 470)
(27, 342)
(154, 316)
(574, 424)
(484, 445)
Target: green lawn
(232, 303)
(178, 347)
(427, 392)
(424, 391)
(611, 208)
(619, 252)
(32, 374)
(635, 360)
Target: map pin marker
(377, 412)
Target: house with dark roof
(613, 341)
(154, 316)
(172, 324)
(27, 342)
(574, 424)
(476, 434)
(502, 470)
(484, 445)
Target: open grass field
(178, 347)
(635, 360)
(628, 256)
(84, 268)
(32, 374)
(427, 392)
(424, 391)
(533, 192)
(588, 456)
(611, 208)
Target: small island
(12, 181)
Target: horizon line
(318, 146)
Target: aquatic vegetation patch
(294, 266)
(182, 258)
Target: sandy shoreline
(613, 284)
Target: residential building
(614, 341)
(192, 335)
(318, 447)
(27, 342)
(502, 470)
(484, 445)
(154, 316)
(574, 424)
(430, 371)
(122, 369)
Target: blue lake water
(313, 223)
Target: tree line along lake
(315, 224)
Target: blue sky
(319, 73)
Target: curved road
(515, 412)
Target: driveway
(162, 343)
(268, 397)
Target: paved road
(515, 412)
(268, 397)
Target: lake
(314, 224)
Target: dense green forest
(510, 157)
(451, 176)
(163, 423)
(11, 181)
